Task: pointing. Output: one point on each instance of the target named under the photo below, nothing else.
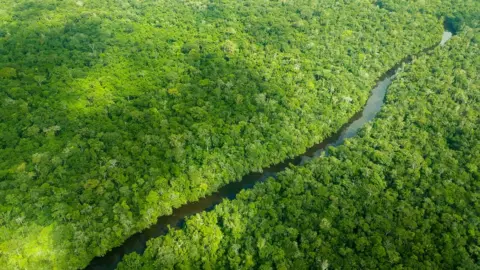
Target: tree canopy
(402, 194)
(114, 112)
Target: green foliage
(8, 72)
(403, 194)
(456, 13)
(114, 112)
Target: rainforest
(241, 134)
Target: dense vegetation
(404, 194)
(457, 13)
(113, 112)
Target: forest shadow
(41, 55)
(77, 100)
(109, 112)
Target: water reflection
(137, 242)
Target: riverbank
(138, 242)
(401, 194)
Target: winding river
(137, 242)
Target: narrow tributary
(137, 242)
